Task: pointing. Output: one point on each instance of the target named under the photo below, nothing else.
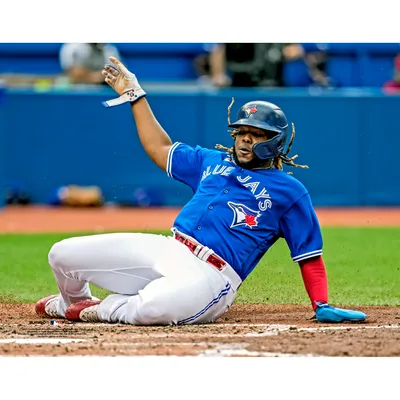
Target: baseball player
(242, 204)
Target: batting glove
(123, 82)
(327, 313)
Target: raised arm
(153, 137)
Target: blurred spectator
(202, 64)
(252, 64)
(83, 62)
(315, 59)
(393, 86)
(260, 64)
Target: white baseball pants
(156, 279)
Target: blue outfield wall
(348, 137)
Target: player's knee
(57, 254)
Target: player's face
(246, 138)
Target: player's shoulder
(203, 151)
(289, 183)
(291, 179)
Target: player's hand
(119, 77)
(327, 313)
(123, 82)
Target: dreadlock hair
(276, 162)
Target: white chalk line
(263, 331)
(196, 335)
(280, 327)
(341, 328)
(41, 341)
(153, 344)
(218, 350)
(183, 330)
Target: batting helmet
(267, 116)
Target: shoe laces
(51, 307)
(89, 314)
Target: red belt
(212, 259)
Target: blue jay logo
(243, 215)
(250, 110)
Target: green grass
(363, 267)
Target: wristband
(131, 96)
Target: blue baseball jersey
(240, 213)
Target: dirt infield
(246, 330)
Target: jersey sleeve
(301, 230)
(185, 163)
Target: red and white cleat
(48, 307)
(84, 310)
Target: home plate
(41, 341)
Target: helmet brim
(256, 124)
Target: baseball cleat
(48, 307)
(84, 310)
(327, 313)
